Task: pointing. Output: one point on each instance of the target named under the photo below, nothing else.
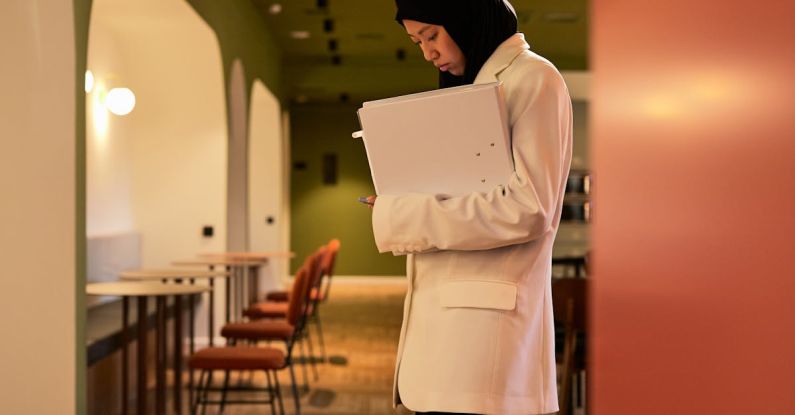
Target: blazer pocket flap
(479, 294)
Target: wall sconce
(120, 101)
(89, 82)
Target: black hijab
(476, 26)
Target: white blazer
(478, 333)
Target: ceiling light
(561, 17)
(89, 83)
(300, 34)
(275, 8)
(120, 101)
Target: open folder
(450, 141)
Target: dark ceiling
(349, 49)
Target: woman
(478, 333)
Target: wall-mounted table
(142, 291)
(250, 285)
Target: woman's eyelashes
(429, 39)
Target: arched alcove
(157, 176)
(159, 171)
(268, 221)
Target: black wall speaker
(329, 169)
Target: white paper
(450, 141)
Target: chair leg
(190, 388)
(205, 398)
(311, 355)
(278, 391)
(295, 390)
(196, 395)
(271, 392)
(320, 335)
(304, 358)
(223, 392)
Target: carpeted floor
(361, 325)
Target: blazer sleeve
(520, 211)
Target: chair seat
(237, 358)
(278, 296)
(283, 296)
(266, 310)
(259, 330)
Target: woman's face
(437, 46)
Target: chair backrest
(570, 302)
(328, 265)
(297, 302)
(331, 256)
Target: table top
(142, 289)
(171, 274)
(232, 262)
(256, 255)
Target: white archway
(160, 172)
(267, 188)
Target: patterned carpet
(361, 325)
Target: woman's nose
(429, 53)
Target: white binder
(451, 141)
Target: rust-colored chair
(276, 310)
(271, 327)
(569, 300)
(248, 358)
(319, 294)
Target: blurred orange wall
(694, 157)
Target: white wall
(167, 159)
(37, 180)
(266, 185)
(173, 145)
(108, 139)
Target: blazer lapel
(501, 58)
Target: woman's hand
(368, 200)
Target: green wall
(242, 34)
(320, 212)
(82, 14)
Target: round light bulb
(120, 101)
(89, 83)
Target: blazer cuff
(382, 227)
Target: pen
(363, 199)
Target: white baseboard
(367, 279)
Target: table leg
(255, 281)
(229, 294)
(141, 361)
(178, 353)
(211, 313)
(192, 318)
(241, 291)
(244, 292)
(160, 357)
(125, 376)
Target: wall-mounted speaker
(329, 169)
